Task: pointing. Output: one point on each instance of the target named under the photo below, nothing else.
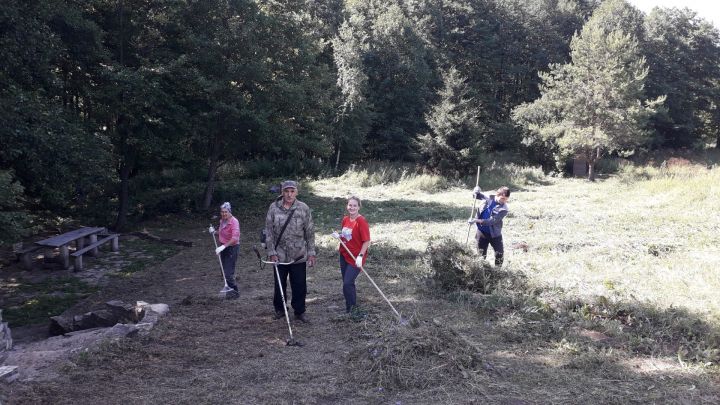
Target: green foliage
(391, 84)
(593, 105)
(51, 297)
(14, 220)
(683, 54)
(452, 144)
(98, 97)
(402, 177)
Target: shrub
(14, 220)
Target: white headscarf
(226, 206)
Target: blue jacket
(496, 217)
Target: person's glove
(358, 261)
(211, 229)
(219, 249)
(476, 190)
(471, 220)
(335, 235)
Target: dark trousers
(349, 274)
(497, 244)
(297, 273)
(228, 257)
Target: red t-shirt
(354, 234)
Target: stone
(106, 318)
(60, 325)
(123, 311)
(6, 341)
(161, 309)
(122, 330)
(8, 374)
(84, 321)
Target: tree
(593, 105)
(455, 131)
(386, 70)
(14, 219)
(683, 53)
(48, 137)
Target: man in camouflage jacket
(296, 242)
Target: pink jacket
(229, 231)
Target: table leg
(27, 260)
(79, 243)
(94, 251)
(65, 256)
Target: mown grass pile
(452, 266)
(421, 355)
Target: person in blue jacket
(490, 221)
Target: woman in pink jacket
(229, 236)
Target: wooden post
(78, 263)
(93, 239)
(472, 211)
(27, 260)
(65, 256)
(79, 243)
(115, 244)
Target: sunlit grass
(654, 237)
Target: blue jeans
(229, 258)
(349, 274)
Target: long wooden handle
(477, 177)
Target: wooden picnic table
(64, 240)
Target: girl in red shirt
(356, 235)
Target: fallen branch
(149, 236)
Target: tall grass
(403, 177)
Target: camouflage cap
(289, 184)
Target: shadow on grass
(328, 212)
(599, 348)
(586, 329)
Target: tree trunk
(337, 159)
(212, 172)
(123, 196)
(593, 157)
(591, 170)
(126, 166)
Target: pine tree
(454, 127)
(593, 105)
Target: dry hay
(454, 267)
(419, 355)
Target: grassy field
(609, 294)
(621, 273)
(654, 237)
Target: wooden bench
(62, 242)
(93, 249)
(25, 255)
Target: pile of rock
(115, 312)
(33, 361)
(6, 341)
(7, 373)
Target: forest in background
(123, 109)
